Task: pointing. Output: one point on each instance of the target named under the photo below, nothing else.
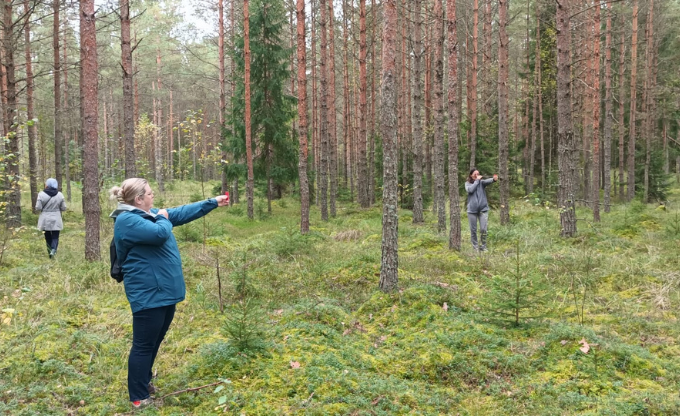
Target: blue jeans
(483, 218)
(148, 330)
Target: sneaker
(142, 403)
(53, 253)
(152, 389)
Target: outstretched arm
(487, 182)
(187, 213)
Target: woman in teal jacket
(152, 267)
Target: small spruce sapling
(515, 291)
(245, 318)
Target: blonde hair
(128, 190)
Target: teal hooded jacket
(151, 261)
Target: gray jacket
(50, 215)
(476, 196)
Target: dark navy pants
(52, 239)
(148, 330)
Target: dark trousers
(52, 239)
(148, 330)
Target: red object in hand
(226, 193)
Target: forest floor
(598, 315)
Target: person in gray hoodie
(478, 207)
(50, 203)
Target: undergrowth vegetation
(538, 325)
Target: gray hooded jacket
(51, 207)
(476, 196)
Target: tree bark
(371, 133)
(595, 186)
(302, 117)
(222, 85)
(332, 117)
(58, 131)
(608, 111)
(417, 114)
(622, 124)
(32, 128)
(89, 127)
(503, 136)
(316, 151)
(128, 98)
(250, 183)
(473, 85)
(323, 113)
(390, 259)
(346, 102)
(566, 151)
(70, 128)
(13, 174)
(633, 102)
(486, 59)
(158, 155)
(534, 121)
(439, 196)
(649, 80)
(363, 197)
(453, 98)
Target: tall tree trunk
(323, 70)
(89, 127)
(622, 124)
(363, 198)
(608, 111)
(534, 121)
(128, 98)
(389, 267)
(565, 135)
(158, 156)
(473, 85)
(332, 116)
(453, 98)
(595, 187)
(235, 195)
(32, 128)
(402, 139)
(649, 55)
(428, 111)
(171, 142)
(486, 59)
(223, 93)
(503, 145)
(316, 152)
(346, 100)
(302, 117)
(371, 133)
(70, 128)
(439, 179)
(633, 103)
(540, 96)
(136, 92)
(417, 117)
(13, 174)
(58, 133)
(250, 183)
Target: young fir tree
(517, 292)
(272, 109)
